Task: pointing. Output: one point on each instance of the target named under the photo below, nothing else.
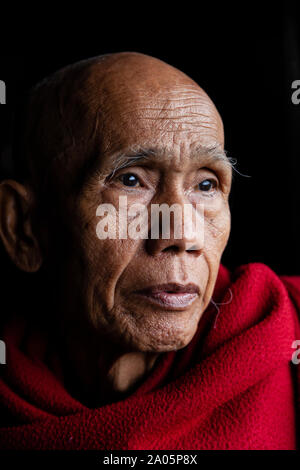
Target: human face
(121, 287)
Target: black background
(246, 62)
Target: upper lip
(171, 287)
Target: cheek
(217, 230)
(105, 261)
(104, 255)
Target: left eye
(207, 185)
(129, 179)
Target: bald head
(86, 109)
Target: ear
(16, 227)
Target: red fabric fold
(233, 387)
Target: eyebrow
(137, 154)
(215, 152)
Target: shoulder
(258, 284)
(255, 276)
(260, 273)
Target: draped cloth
(234, 386)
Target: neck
(122, 375)
(98, 373)
(127, 370)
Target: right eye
(129, 179)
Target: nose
(176, 226)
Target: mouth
(172, 296)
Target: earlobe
(16, 225)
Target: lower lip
(176, 300)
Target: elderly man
(138, 342)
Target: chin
(162, 341)
(153, 330)
(175, 345)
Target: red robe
(234, 386)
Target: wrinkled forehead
(133, 99)
(178, 115)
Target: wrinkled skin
(110, 336)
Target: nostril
(174, 248)
(192, 248)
